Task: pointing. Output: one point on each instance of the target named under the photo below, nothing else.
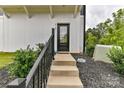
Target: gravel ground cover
(5, 77)
(98, 74)
(6, 59)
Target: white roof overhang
(29, 10)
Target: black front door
(63, 37)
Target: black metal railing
(38, 75)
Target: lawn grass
(6, 58)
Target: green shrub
(23, 61)
(90, 44)
(120, 68)
(114, 38)
(117, 57)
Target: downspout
(84, 13)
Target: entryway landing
(64, 72)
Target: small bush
(117, 57)
(23, 61)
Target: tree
(90, 44)
(108, 32)
(118, 19)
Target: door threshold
(63, 52)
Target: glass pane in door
(63, 34)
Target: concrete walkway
(64, 72)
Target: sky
(99, 13)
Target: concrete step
(64, 57)
(64, 71)
(64, 63)
(64, 82)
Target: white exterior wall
(1, 33)
(81, 33)
(19, 31)
(74, 30)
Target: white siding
(19, 30)
(81, 35)
(1, 33)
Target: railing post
(53, 42)
(17, 83)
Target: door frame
(68, 35)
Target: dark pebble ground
(4, 77)
(98, 74)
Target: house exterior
(23, 25)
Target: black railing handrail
(37, 62)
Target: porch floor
(64, 72)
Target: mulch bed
(98, 74)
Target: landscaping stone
(81, 60)
(98, 74)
